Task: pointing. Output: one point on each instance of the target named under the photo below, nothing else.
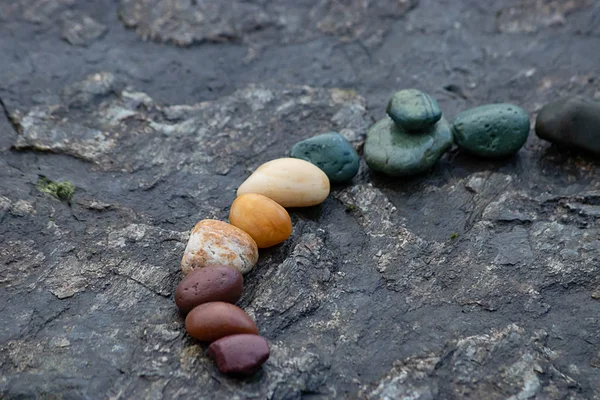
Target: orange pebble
(262, 218)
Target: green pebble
(493, 130)
(332, 153)
(391, 150)
(413, 110)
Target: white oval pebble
(291, 182)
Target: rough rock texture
(480, 277)
(188, 22)
(504, 364)
(81, 29)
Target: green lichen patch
(61, 190)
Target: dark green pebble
(391, 150)
(573, 122)
(413, 110)
(493, 130)
(332, 153)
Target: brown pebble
(218, 283)
(212, 321)
(239, 354)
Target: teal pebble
(393, 151)
(332, 153)
(493, 130)
(413, 110)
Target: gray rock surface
(80, 29)
(480, 279)
(189, 22)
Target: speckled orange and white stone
(214, 243)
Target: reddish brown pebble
(219, 283)
(212, 321)
(239, 354)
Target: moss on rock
(61, 190)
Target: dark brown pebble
(203, 285)
(239, 354)
(212, 321)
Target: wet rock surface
(480, 278)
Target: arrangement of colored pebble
(218, 253)
(410, 141)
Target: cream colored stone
(288, 181)
(215, 243)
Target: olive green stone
(493, 130)
(413, 110)
(393, 151)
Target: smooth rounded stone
(262, 218)
(413, 110)
(331, 152)
(208, 284)
(211, 321)
(215, 243)
(392, 151)
(239, 354)
(288, 181)
(572, 122)
(493, 130)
